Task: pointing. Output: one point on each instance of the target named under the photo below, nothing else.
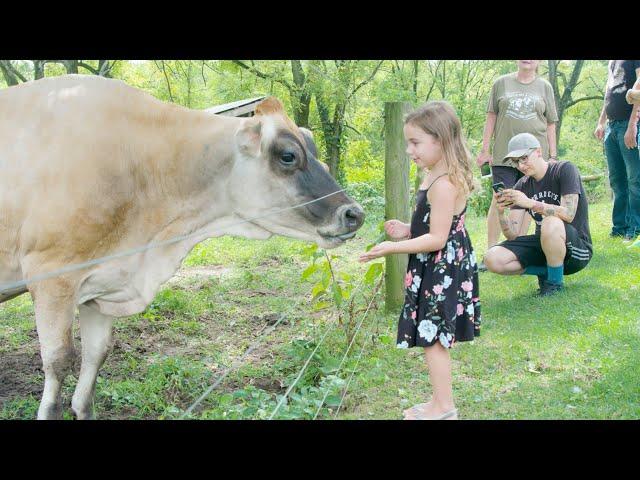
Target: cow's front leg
(54, 321)
(96, 334)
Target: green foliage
(347, 84)
(335, 290)
(167, 382)
(480, 200)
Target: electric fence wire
(346, 353)
(14, 286)
(308, 361)
(233, 367)
(355, 368)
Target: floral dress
(442, 292)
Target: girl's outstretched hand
(396, 229)
(380, 250)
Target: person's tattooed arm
(566, 211)
(511, 225)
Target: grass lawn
(572, 356)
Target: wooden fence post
(397, 201)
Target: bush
(480, 200)
(370, 195)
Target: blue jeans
(624, 178)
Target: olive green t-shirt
(520, 108)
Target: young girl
(441, 303)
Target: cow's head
(276, 167)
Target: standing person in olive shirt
(520, 102)
(618, 126)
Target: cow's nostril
(353, 217)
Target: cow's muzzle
(349, 219)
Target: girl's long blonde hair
(439, 119)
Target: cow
(92, 166)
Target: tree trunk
(9, 73)
(38, 69)
(300, 95)
(415, 80)
(397, 200)
(564, 99)
(71, 66)
(104, 68)
(331, 134)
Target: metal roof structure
(241, 108)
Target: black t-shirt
(562, 178)
(622, 76)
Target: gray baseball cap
(521, 145)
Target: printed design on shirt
(521, 105)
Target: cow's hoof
(51, 411)
(83, 413)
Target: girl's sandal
(450, 415)
(413, 411)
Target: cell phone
(498, 187)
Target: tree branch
(11, 74)
(364, 82)
(262, 75)
(165, 77)
(349, 126)
(89, 67)
(583, 99)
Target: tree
(334, 89)
(13, 75)
(564, 89)
(298, 88)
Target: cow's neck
(197, 166)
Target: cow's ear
(311, 145)
(308, 139)
(268, 106)
(248, 137)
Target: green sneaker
(549, 288)
(635, 244)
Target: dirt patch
(186, 275)
(271, 385)
(269, 319)
(267, 384)
(17, 373)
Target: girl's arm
(442, 197)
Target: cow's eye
(288, 158)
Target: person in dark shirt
(552, 193)
(620, 134)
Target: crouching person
(552, 193)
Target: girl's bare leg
(439, 364)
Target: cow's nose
(353, 217)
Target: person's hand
(397, 229)
(633, 96)
(631, 135)
(380, 250)
(515, 197)
(599, 133)
(501, 202)
(484, 157)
